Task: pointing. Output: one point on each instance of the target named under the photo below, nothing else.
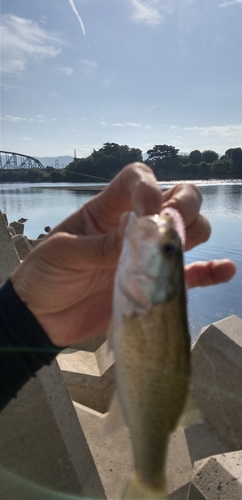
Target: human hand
(67, 280)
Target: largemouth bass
(151, 344)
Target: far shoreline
(97, 187)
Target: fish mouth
(178, 222)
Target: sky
(78, 73)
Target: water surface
(47, 205)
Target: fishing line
(189, 487)
(89, 175)
(13, 483)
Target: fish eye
(169, 249)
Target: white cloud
(8, 87)
(127, 124)
(22, 41)
(13, 119)
(90, 64)
(38, 119)
(216, 137)
(155, 106)
(67, 71)
(118, 125)
(228, 3)
(229, 132)
(89, 67)
(132, 124)
(146, 11)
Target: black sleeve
(24, 346)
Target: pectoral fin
(136, 490)
(114, 419)
(191, 414)
(109, 336)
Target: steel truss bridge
(18, 161)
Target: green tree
(183, 159)
(188, 172)
(237, 162)
(222, 168)
(228, 153)
(235, 156)
(31, 175)
(103, 164)
(209, 156)
(162, 152)
(112, 157)
(56, 175)
(196, 157)
(130, 155)
(204, 170)
(80, 170)
(164, 160)
(121, 154)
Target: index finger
(134, 188)
(187, 199)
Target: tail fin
(136, 490)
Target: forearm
(24, 346)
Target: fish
(151, 344)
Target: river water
(47, 204)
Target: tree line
(166, 162)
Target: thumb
(84, 252)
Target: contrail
(78, 16)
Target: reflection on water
(42, 207)
(223, 207)
(222, 204)
(222, 198)
(24, 190)
(229, 196)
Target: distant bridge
(18, 161)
